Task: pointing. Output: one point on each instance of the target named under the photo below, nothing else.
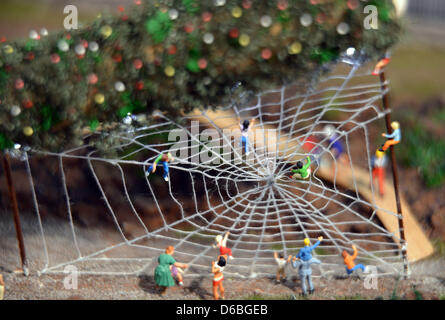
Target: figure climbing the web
(336, 146)
(393, 138)
(349, 261)
(302, 171)
(378, 163)
(164, 159)
(381, 64)
(245, 127)
(221, 243)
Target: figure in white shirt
(245, 127)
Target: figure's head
(344, 254)
(170, 250)
(246, 124)
(395, 125)
(306, 241)
(280, 255)
(299, 164)
(221, 261)
(379, 153)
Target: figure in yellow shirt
(349, 261)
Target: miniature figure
(245, 126)
(337, 148)
(305, 273)
(303, 261)
(221, 243)
(2, 287)
(177, 274)
(311, 145)
(281, 266)
(349, 261)
(304, 171)
(305, 252)
(163, 273)
(381, 64)
(218, 277)
(378, 163)
(393, 138)
(164, 159)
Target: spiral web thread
(251, 196)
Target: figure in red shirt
(221, 243)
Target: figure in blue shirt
(393, 138)
(305, 252)
(303, 262)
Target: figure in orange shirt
(381, 64)
(349, 261)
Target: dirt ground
(49, 287)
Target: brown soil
(142, 287)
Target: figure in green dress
(163, 273)
(302, 171)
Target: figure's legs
(179, 277)
(221, 289)
(389, 143)
(359, 266)
(165, 165)
(311, 285)
(381, 175)
(303, 284)
(314, 261)
(149, 170)
(215, 292)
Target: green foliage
(417, 293)
(65, 101)
(49, 118)
(422, 150)
(439, 247)
(394, 295)
(192, 6)
(321, 251)
(159, 26)
(5, 143)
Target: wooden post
(385, 101)
(15, 210)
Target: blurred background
(416, 82)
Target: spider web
(215, 187)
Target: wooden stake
(385, 101)
(15, 210)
